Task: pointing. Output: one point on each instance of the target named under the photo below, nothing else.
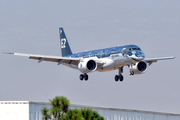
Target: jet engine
(87, 65)
(139, 67)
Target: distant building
(29, 110)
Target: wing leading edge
(57, 59)
(151, 60)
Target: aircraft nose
(136, 55)
(140, 55)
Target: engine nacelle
(87, 65)
(139, 67)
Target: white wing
(57, 59)
(151, 60)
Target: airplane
(101, 60)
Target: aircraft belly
(123, 62)
(113, 64)
(105, 69)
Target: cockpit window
(134, 49)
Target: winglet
(8, 53)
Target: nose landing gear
(131, 72)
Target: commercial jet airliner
(101, 60)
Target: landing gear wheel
(86, 77)
(116, 78)
(81, 77)
(121, 78)
(131, 73)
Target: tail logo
(60, 31)
(63, 43)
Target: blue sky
(32, 27)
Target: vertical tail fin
(65, 48)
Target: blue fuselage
(107, 52)
(113, 57)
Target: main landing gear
(83, 76)
(120, 76)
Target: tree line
(60, 111)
